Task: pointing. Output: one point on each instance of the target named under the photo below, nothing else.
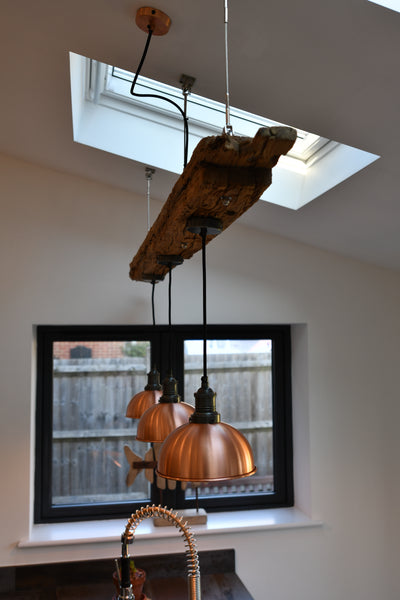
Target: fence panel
(244, 399)
(90, 429)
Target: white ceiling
(327, 66)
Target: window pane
(239, 371)
(92, 385)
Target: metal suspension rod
(149, 176)
(228, 126)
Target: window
(391, 4)
(86, 377)
(203, 111)
(106, 116)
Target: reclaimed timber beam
(225, 177)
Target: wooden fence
(90, 429)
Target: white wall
(66, 244)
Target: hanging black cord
(169, 319)
(183, 113)
(203, 258)
(153, 284)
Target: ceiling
(330, 67)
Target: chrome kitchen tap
(193, 567)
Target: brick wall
(99, 349)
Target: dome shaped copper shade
(169, 413)
(159, 420)
(205, 449)
(148, 397)
(141, 402)
(205, 452)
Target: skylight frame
(120, 124)
(210, 113)
(390, 4)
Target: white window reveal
(106, 116)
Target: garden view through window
(85, 382)
(239, 371)
(90, 394)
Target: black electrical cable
(153, 284)
(169, 318)
(185, 119)
(203, 260)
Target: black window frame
(159, 337)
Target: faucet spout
(193, 567)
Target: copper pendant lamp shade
(146, 398)
(159, 420)
(205, 449)
(141, 402)
(205, 452)
(169, 413)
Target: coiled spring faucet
(193, 567)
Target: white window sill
(88, 532)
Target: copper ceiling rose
(205, 449)
(154, 19)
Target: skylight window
(211, 113)
(391, 4)
(106, 116)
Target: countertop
(92, 580)
(223, 586)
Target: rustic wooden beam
(225, 177)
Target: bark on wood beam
(225, 177)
